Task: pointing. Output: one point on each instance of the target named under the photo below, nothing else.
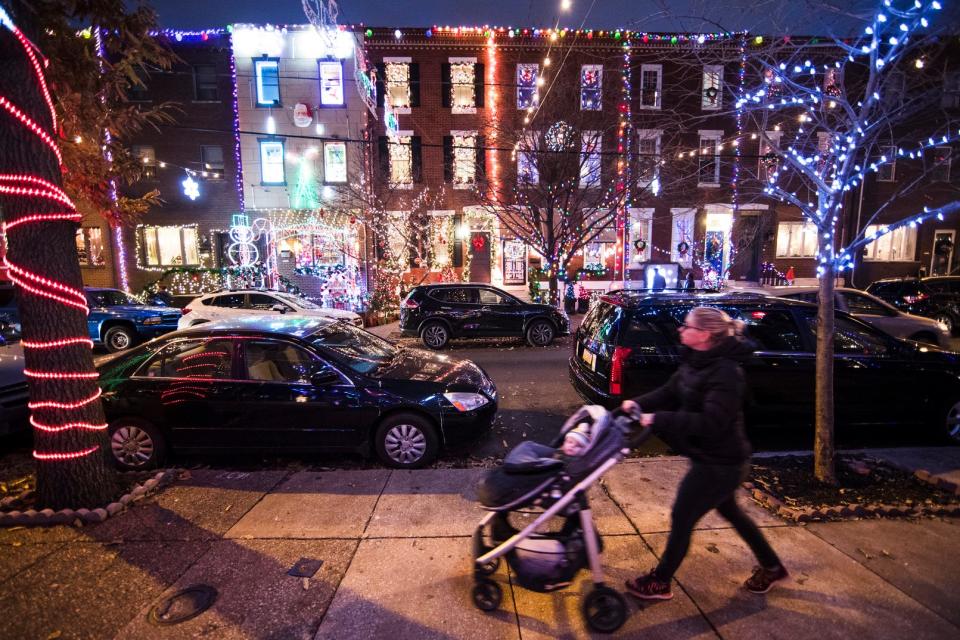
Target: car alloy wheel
(405, 444)
(132, 446)
(946, 321)
(541, 333)
(435, 336)
(952, 425)
(118, 339)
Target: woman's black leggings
(706, 487)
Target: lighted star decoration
(191, 188)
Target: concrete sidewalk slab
(90, 590)
(942, 462)
(328, 504)
(828, 595)
(558, 614)
(428, 502)
(416, 588)
(645, 489)
(16, 558)
(255, 596)
(914, 556)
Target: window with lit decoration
(169, 246)
(464, 149)
(832, 82)
(887, 172)
(401, 161)
(708, 169)
(648, 160)
(272, 170)
(712, 94)
(463, 85)
(640, 232)
(897, 245)
(335, 162)
(824, 153)
(796, 240)
(527, 95)
(774, 82)
(527, 170)
(331, 83)
(205, 85)
(267, 74)
(90, 246)
(769, 161)
(514, 262)
(211, 157)
(314, 250)
(651, 76)
(942, 158)
(601, 248)
(148, 160)
(591, 86)
(590, 160)
(397, 85)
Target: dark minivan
(628, 344)
(438, 312)
(937, 297)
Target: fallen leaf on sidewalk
(227, 508)
(865, 554)
(712, 548)
(54, 635)
(306, 583)
(885, 553)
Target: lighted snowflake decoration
(191, 188)
(560, 136)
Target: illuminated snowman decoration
(242, 251)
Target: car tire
(136, 445)
(947, 321)
(947, 424)
(119, 338)
(435, 335)
(406, 441)
(925, 337)
(540, 333)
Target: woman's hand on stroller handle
(630, 409)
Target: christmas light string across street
(37, 188)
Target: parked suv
(225, 305)
(628, 345)
(937, 297)
(439, 312)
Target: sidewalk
(395, 547)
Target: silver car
(875, 311)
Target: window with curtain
(796, 240)
(169, 246)
(898, 245)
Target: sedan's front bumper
(463, 426)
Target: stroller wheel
(605, 610)
(487, 595)
(489, 568)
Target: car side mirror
(278, 307)
(324, 377)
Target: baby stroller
(535, 481)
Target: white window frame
(658, 95)
(640, 220)
(769, 143)
(526, 154)
(187, 249)
(717, 137)
(688, 216)
(338, 176)
(84, 237)
(456, 109)
(402, 138)
(887, 172)
(591, 164)
(712, 79)
(902, 240)
(331, 98)
(282, 164)
(467, 157)
(403, 109)
(599, 69)
(258, 63)
(536, 89)
(795, 231)
(650, 134)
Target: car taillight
(411, 304)
(916, 298)
(185, 311)
(620, 354)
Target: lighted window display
(796, 240)
(331, 83)
(595, 254)
(271, 162)
(591, 84)
(648, 163)
(397, 84)
(464, 157)
(312, 250)
(463, 87)
(514, 262)
(899, 245)
(169, 246)
(527, 85)
(712, 87)
(774, 82)
(401, 161)
(90, 246)
(590, 160)
(335, 162)
(267, 72)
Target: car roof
(444, 285)
(633, 299)
(101, 289)
(297, 326)
(229, 291)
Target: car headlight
(153, 320)
(466, 401)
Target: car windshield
(361, 351)
(303, 303)
(112, 298)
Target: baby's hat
(582, 433)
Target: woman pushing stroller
(699, 413)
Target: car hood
(425, 366)
(128, 309)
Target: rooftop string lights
(48, 204)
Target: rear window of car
(454, 294)
(232, 301)
(885, 288)
(650, 331)
(771, 330)
(602, 323)
(942, 286)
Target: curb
(79, 517)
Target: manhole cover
(183, 605)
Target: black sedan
(438, 312)
(290, 385)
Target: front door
(480, 256)
(941, 261)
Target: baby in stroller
(550, 482)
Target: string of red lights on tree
(37, 189)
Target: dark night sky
(768, 16)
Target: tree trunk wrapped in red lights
(40, 221)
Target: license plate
(589, 358)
